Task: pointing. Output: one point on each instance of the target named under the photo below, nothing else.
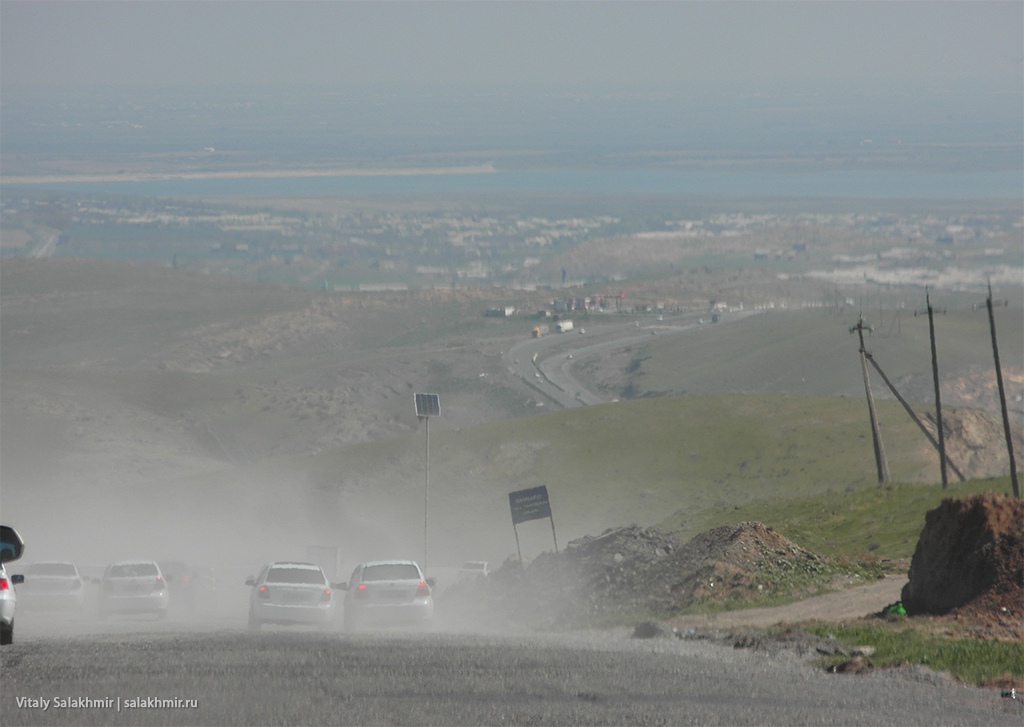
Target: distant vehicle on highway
(188, 585)
(474, 569)
(11, 548)
(52, 585)
(290, 593)
(388, 593)
(133, 586)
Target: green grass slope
(691, 459)
(813, 353)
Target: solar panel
(427, 405)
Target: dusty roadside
(848, 603)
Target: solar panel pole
(427, 405)
(426, 489)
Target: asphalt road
(546, 363)
(137, 672)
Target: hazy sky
(338, 42)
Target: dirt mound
(633, 571)
(970, 559)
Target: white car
(388, 592)
(474, 569)
(11, 548)
(8, 601)
(133, 586)
(290, 593)
(52, 584)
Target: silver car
(133, 586)
(11, 548)
(8, 601)
(386, 593)
(52, 585)
(290, 593)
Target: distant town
(344, 245)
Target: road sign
(529, 504)
(427, 405)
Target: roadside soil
(847, 604)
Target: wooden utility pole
(1002, 393)
(913, 415)
(938, 399)
(876, 437)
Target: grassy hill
(811, 352)
(688, 463)
(150, 411)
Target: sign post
(531, 504)
(427, 405)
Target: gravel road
(228, 676)
(849, 603)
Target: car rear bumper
(288, 613)
(134, 604)
(56, 600)
(391, 614)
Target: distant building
(505, 312)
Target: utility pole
(876, 437)
(910, 411)
(1002, 392)
(938, 399)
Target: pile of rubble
(967, 574)
(635, 571)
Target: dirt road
(849, 603)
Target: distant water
(883, 185)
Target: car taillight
(264, 592)
(325, 596)
(423, 590)
(361, 591)
(159, 585)
(3, 584)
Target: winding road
(546, 363)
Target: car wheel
(7, 635)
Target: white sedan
(388, 593)
(290, 593)
(133, 586)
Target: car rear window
(391, 572)
(132, 570)
(295, 575)
(52, 569)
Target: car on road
(11, 548)
(52, 585)
(8, 602)
(473, 570)
(133, 586)
(189, 586)
(290, 593)
(388, 593)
